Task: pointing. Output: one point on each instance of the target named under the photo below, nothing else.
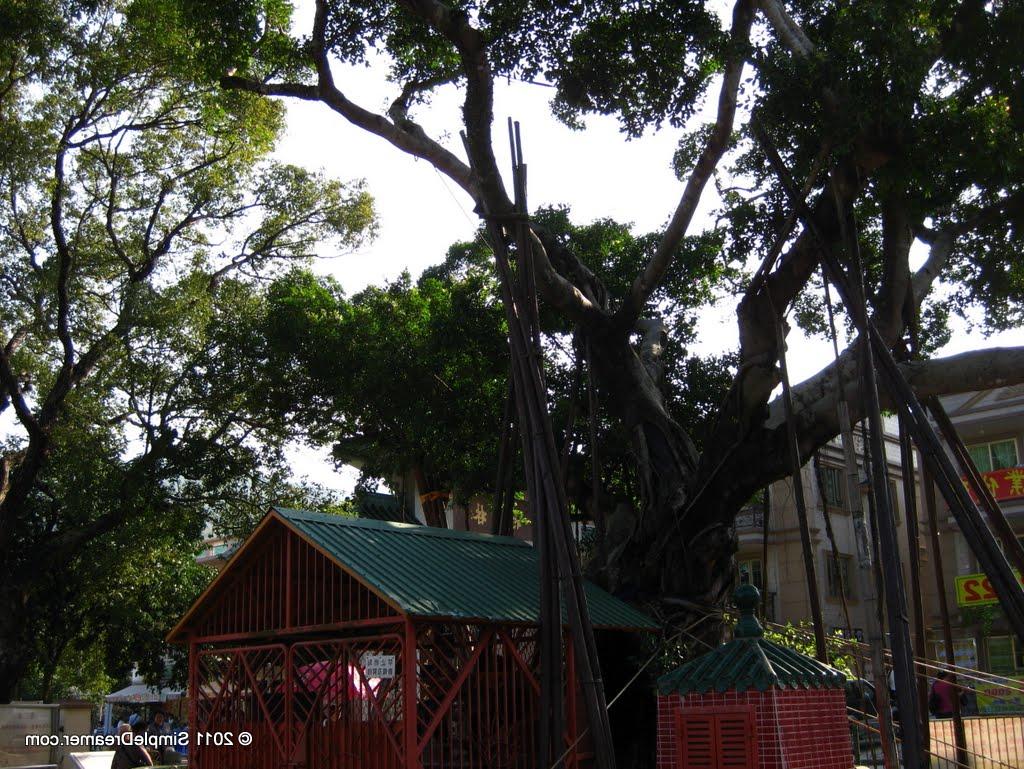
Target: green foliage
(644, 62)
(413, 375)
(981, 617)
(397, 377)
(927, 96)
(800, 637)
(140, 217)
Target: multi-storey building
(779, 568)
(991, 424)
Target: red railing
(343, 702)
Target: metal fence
(993, 740)
(987, 741)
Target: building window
(832, 486)
(750, 572)
(839, 570)
(894, 497)
(994, 456)
(1005, 655)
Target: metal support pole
(914, 546)
(410, 704)
(959, 734)
(801, 501)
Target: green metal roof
(750, 662)
(431, 572)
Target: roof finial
(747, 597)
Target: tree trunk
(15, 641)
(663, 552)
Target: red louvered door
(717, 739)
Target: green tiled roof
(750, 662)
(430, 572)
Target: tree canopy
(140, 212)
(903, 118)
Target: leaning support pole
(959, 734)
(867, 586)
(973, 527)
(506, 450)
(896, 603)
(895, 591)
(820, 650)
(545, 489)
(916, 599)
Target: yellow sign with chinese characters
(977, 590)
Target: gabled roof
(427, 572)
(440, 573)
(750, 662)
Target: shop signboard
(977, 590)
(1005, 697)
(1004, 484)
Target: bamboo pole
(973, 527)
(1000, 526)
(959, 734)
(766, 509)
(801, 501)
(914, 546)
(546, 492)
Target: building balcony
(750, 517)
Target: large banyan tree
(905, 119)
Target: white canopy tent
(141, 694)
(135, 694)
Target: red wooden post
(570, 700)
(412, 755)
(288, 579)
(193, 697)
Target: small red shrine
(337, 643)
(752, 704)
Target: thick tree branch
(789, 32)
(478, 106)
(817, 397)
(648, 280)
(13, 393)
(943, 241)
(561, 293)
(897, 238)
(399, 109)
(413, 142)
(64, 258)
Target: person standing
(941, 701)
(158, 727)
(129, 756)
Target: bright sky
(596, 172)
